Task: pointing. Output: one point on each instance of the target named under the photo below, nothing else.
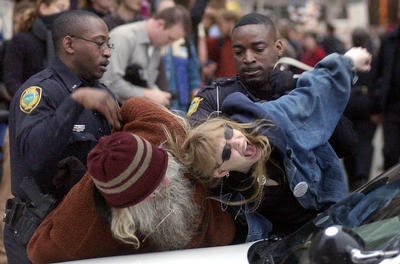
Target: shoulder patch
(30, 99)
(194, 105)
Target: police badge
(30, 99)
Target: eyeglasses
(100, 44)
(227, 151)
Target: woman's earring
(262, 181)
(227, 175)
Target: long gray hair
(165, 218)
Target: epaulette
(42, 77)
(47, 74)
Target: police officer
(257, 78)
(59, 114)
(256, 49)
(253, 71)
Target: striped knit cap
(126, 168)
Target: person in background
(183, 73)
(291, 48)
(359, 110)
(21, 10)
(210, 17)
(134, 66)
(386, 85)
(220, 48)
(232, 158)
(330, 42)
(56, 117)
(31, 50)
(145, 10)
(197, 9)
(99, 7)
(127, 11)
(312, 51)
(208, 28)
(159, 208)
(181, 66)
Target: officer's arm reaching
(101, 101)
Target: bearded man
(135, 198)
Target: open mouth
(250, 150)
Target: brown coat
(74, 230)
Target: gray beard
(165, 228)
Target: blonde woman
(306, 175)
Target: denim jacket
(303, 121)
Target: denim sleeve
(311, 112)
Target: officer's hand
(70, 171)
(99, 100)
(158, 96)
(281, 81)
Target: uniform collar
(70, 80)
(248, 93)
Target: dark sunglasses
(226, 153)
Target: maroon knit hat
(126, 168)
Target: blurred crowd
(176, 68)
(200, 58)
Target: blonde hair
(200, 146)
(26, 12)
(29, 12)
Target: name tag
(79, 128)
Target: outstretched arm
(317, 102)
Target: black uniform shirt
(46, 126)
(209, 100)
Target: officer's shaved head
(256, 19)
(70, 23)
